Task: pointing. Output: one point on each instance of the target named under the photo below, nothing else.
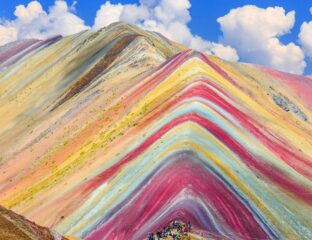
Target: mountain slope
(115, 134)
(13, 226)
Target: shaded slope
(13, 226)
(99, 67)
(147, 140)
(81, 54)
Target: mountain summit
(116, 133)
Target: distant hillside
(13, 226)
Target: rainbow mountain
(116, 133)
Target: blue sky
(203, 22)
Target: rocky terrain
(13, 226)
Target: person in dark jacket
(159, 235)
(151, 236)
(189, 226)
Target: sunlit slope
(114, 134)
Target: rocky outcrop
(16, 227)
(287, 105)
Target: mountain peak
(114, 134)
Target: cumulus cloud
(254, 32)
(169, 17)
(33, 22)
(107, 14)
(305, 36)
(26, 14)
(7, 34)
(225, 52)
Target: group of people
(175, 230)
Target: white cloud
(305, 37)
(27, 14)
(169, 17)
(7, 34)
(107, 14)
(225, 52)
(33, 22)
(169, 11)
(254, 32)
